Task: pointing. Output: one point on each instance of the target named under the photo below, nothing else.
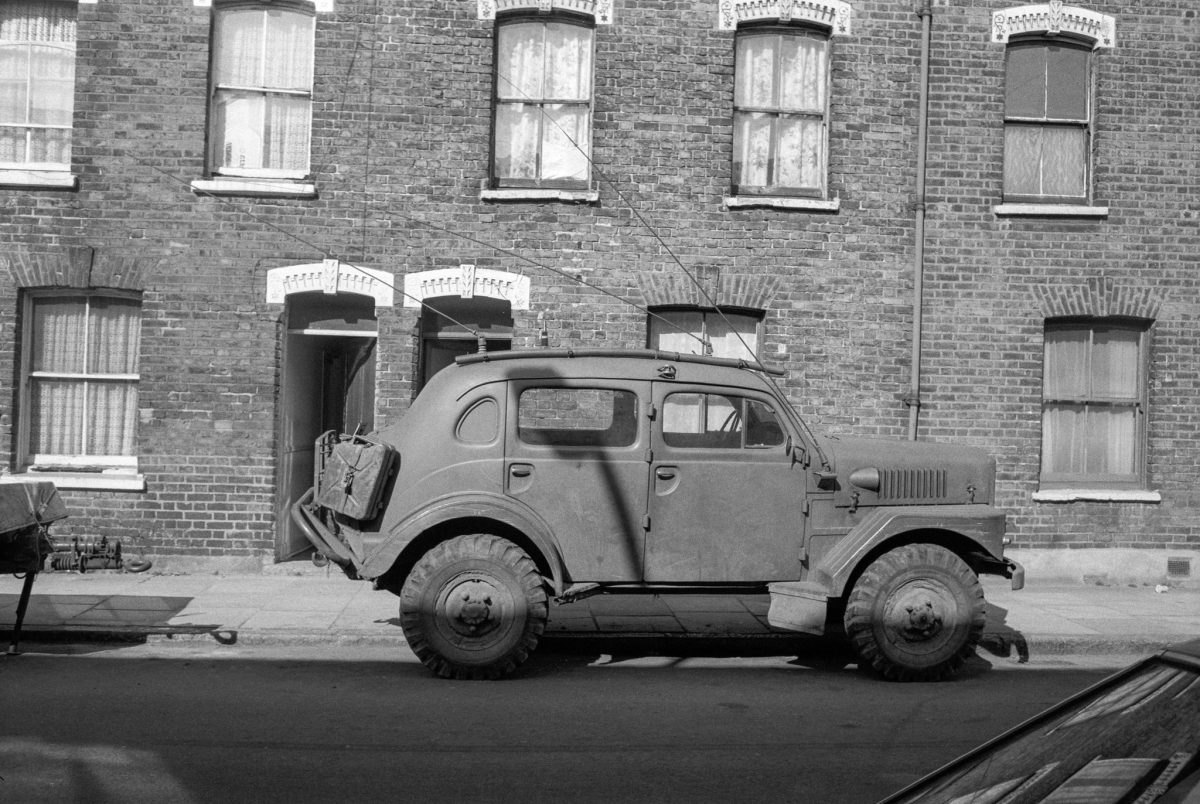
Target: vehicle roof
(631, 364)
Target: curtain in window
(77, 406)
(780, 99)
(1089, 422)
(262, 71)
(543, 87)
(37, 82)
(683, 331)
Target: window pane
(1110, 447)
(702, 421)
(1064, 161)
(238, 57)
(1025, 81)
(1022, 158)
(568, 62)
(289, 47)
(1115, 363)
(111, 415)
(238, 119)
(14, 87)
(37, 21)
(59, 333)
(56, 417)
(564, 151)
(755, 72)
(114, 335)
(762, 427)
(577, 417)
(517, 131)
(734, 336)
(1066, 364)
(520, 62)
(677, 331)
(286, 134)
(802, 73)
(52, 86)
(801, 153)
(752, 149)
(1063, 441)
(1067, 83)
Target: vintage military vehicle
(520, 476)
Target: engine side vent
(912, 484)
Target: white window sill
(51, 179)
(538, 194)
(809, 204)
(268, 188)
(1050, 211)
(89, 481)
(1097, 495)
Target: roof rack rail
(641, 354)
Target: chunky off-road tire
(915, 614)
(473, 607)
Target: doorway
(327, 383)
(451, 326)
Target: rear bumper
(323, 539)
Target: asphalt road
(596, 721)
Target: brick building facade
(960, 221)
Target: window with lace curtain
(260, 112)
(80, 381)
(1094, 403)
(1047, 121)
(543, 103)
(37, 84)
(727, 333)
(781, 109)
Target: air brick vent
(1179, 567)
(912, 484)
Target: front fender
(474, 506)
(981, 526)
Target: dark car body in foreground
(1134, 737)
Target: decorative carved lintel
(467, 282)
(330, 277)
(832, 14)
(1054, 18)
(599, 10)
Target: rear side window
(577, 417)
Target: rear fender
(468, 513)
(970, 529)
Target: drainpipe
(913, 400)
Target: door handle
(520, 470)
(664, 473)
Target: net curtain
(1081, 436)
(37, 81)
(78, 407)
(263, 75)
(538, 64)
(780, 93)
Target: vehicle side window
(577, 417)
(480, 424)
(716, 421)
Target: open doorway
(451, 326)
(327, 383)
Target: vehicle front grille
(912, 484)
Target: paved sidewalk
(324, 607)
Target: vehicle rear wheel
(916, 613)
(473, 607)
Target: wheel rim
(920, 617)
(475, 610)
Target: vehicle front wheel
(916, 613)
(473, 607)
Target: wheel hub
(916, 613)
(471, 608)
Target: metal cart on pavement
(27, 510)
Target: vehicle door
(726, 499)
(575, 452)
